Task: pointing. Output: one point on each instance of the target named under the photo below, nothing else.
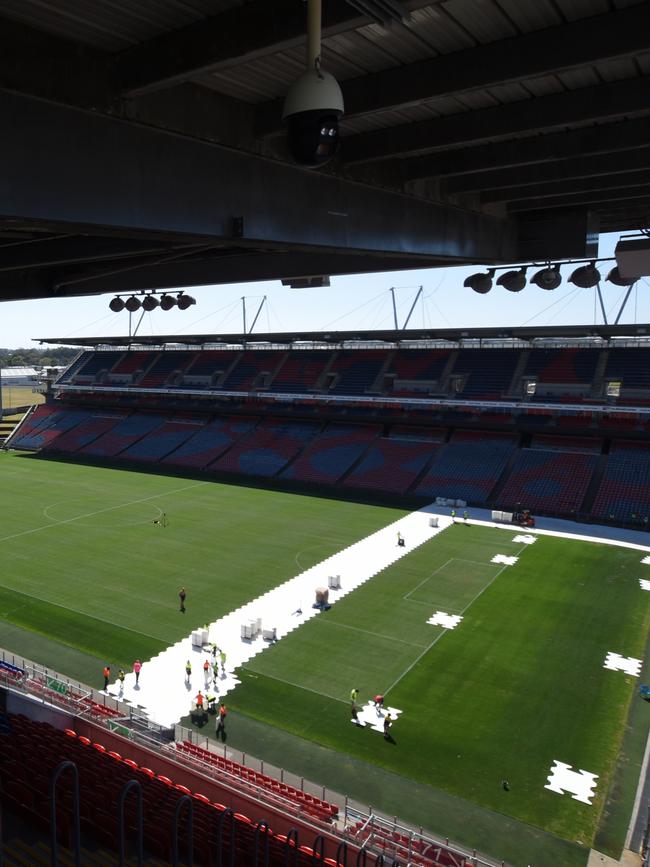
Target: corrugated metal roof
(111, 25)
(482, 19)
(531, 16)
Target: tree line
(52, 356)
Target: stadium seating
(468, 467)
(210, 441)
(331, 453)
(91, 363)
(87, 430)
(624, 491)
(44, 426)
(570, 366)
(163, 440)
(164, 365)
(391, 465)
(630, 366)
(250, 368)
(301, 371)
(266, 449)
(415, 371)
(549, 481)
(566, 444)
(30, 751)
(307, 803)
(487, 373)
(355, 371)
(125, 433)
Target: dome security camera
(312, 109)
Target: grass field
(87, 578)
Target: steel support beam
(249, 268)
(101, 172)
(580, 43)
(596, 200)
(597, 166)
(74, 250)
(549, 189)
(490, 161)
(599, 102)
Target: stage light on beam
(513, 281)
(184, 301)
(149, 303)
(548, 278)
(132, 304)
(615, 277)
(116, 304)
(167, 302)
(481, 282)
(585, 277)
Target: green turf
(519, 684)
(88, 578)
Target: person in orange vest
(107, 674)
(199, 700)
(206, 671)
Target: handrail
(184, 799)
(342, 851)
(227, 812)
(132, 784)
(77, 832)
(292, 834)
(318, 841)
(267, 833)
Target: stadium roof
(143, 145)
(602, 332)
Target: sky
(351, 302)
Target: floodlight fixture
(548, 278)
(480, 282)
(513, 281)
(184, 301)
(116, 304)
(617, 279)
(149, 303)
(585, 277)
(132, 304)
(167, 302)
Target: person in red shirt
(137, 667)
(221, 722)
(107, 674)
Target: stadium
(256, 475)
(361, 596)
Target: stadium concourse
(166, 695)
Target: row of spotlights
(549, 278)
(150, 302)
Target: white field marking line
(435, 572)
(101, 511)
(438, 637)
(46, 513)
(639, 793)
(80, 614)
(368, 632)
(562, 534)
(252, 671)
